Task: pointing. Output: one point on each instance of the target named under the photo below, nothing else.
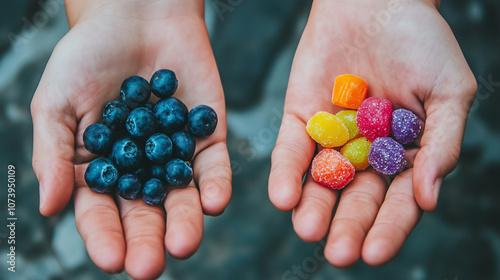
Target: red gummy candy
(374, 118)
(331, 169)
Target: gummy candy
(374, 118)
(327, 130)
(331, 169)
(356, 151)
(348, 117)
(405, 126)
(387, 156)
(349, 91)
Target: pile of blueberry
(146, 147)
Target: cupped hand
(407, 53)
(109, 41)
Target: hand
(407, 53)
(109, 41)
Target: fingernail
(437, 187)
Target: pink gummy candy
(374, 118)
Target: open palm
(410, 57)
(83, 74)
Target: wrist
(368, 5)
(78, 10)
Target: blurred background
(254, 42)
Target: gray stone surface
(67, 244)
(254, 42)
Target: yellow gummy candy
(356, 151)
(328, 130)
(348, 117)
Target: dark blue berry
(135, 91)
(101, 175)
(141, 123)
(115, 114)
(202, 121)
(178, 173)
(184, 145)
(127, 154)
(98, 139)
(154, 192)
(150, 106)
(171, 115)
(158, 171)
(144, 173)
(159, 148)
(164, 83)
(129, 186)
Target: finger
(311, 218)
(309, 91)
(410, 155)
(396, 219)
(53, 151)
(144, 229)
(289, 161)
(441, 143)
(98, 222)
(358, 206)
(184, 222)
(212, 172)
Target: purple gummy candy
(387, 156)
(405, 126)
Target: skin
(109, 41)
(413, 60)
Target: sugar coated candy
(387, 156)
(331, 169)
(356, 151)
(374, 118)
(405, 126)
(348, 117)
(349, 91)
(327, 130)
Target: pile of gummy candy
(373, 135)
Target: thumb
(53, 152)
(440, 146)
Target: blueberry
(164, 83)
(159, 148)
(158, 171)
(178, 173)
(135, 91)
(184, 145)
(127, 154)
(171, 115)
(141, 123)
(154, 192)
(202, 121)
(115, 114)
(101, 175)
(144, 173)
(129, 186)
(98, 139)
(150, 106)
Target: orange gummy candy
(331, 169)
(349, 91)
